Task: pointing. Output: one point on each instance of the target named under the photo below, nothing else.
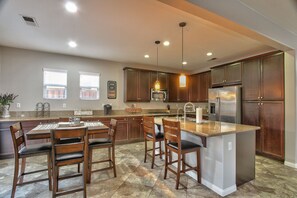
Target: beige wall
(22, 74)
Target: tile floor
(137, 179)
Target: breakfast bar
(227, 155)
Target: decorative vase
(5, 111)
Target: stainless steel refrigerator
(225, 104)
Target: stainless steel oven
(160, 95)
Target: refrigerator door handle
(218, 110)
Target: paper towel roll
(199, 115)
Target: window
(54, 84)
(89, 86)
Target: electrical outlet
(64, 105)
(18, 105)
(229, 146)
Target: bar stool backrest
(149, 126)
(112, 130)
(172, 132)
(18, 138)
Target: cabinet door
(251, 116)
(173, 88)
(131, 85)
(143, 86)
(183, 92)
(217, 76)
(122, 130)
(194, 87)
(204, 85)
(233, 74)
(273, 77)
(162, 78)
(135, 128)
(251, 79)
(272, 125)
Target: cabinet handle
(258, 104)
(261, 103)
(261, 97)
(258, 97)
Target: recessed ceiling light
(166, 43)
(209, 54)
(72, 44)
(71, 7)
(146, 56)
(185, 62)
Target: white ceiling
(121, 31)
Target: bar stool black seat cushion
(69, 156)
(184, 145)
(99, 141)
(36, 149)
(158, 135)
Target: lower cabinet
(135, 128)
(269, 115)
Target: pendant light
(157, 84)
(182, 77)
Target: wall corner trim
(290, 164)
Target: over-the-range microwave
(160, 95)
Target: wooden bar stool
(98, 143)
(22, 151)
(151, 135)
(68, 153)
(173, 143)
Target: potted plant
(5, 101)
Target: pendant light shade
(157, 84)
(182, 77)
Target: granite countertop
(210, 128)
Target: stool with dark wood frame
(173, 143)
(22, 151)
(64, 154)
(150, 135)
(98, 143)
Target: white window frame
(45, 96)
(91, 87)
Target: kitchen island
(227, 154)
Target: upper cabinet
(199, 85)
(226, 75)
(162, 77)
(176, 93)
(263, 78)
(137, 85)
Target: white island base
(226, 161)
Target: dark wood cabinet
(135, 128)
(263, 78)
(199, 85)
(162, 77)
(269, 115)
(137, 85)
(122, 130)
(226, 75)
(176, 93)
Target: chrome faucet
(186, 109)
(178, 109)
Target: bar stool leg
(113, 160)
(78, 167)
(49, 171)
(23, 166)
(153, 156)
(160, 151)
(55, 182)
(85, 175)
(183, 163)
(145, 149)
(109, 156)
(15, 176)
(166, 162)
(178, 171)
(198, 168)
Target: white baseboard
(222, 192)
(291, 164)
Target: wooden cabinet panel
(173, 88)
(251, 116)
(122, 130)
(194, 88)
(251, 79)
(144, 86)
(135, 128)
(233, 73)
(137, 85)
(183, 94)
(272, 124)
(163, 78)
(204, 85)
(218, 76)
(273, 77)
